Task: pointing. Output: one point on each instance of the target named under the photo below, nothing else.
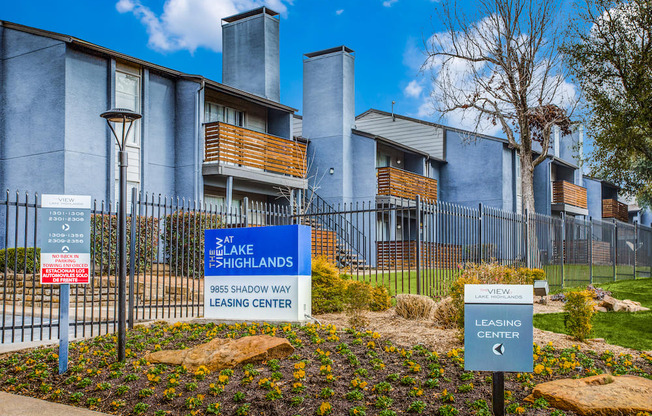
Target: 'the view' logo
(497, 291)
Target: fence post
(480, 232)
(563, 246)
(132, 259)
(590, 249)
(614, 251)
(527, 239)
(245, 207)
(635, 245)
(418, 215)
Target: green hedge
(104, 232)
(184, 240)
(16, 260)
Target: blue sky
(387, 36)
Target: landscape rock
(223, 353)
(613, 304)
(600, 308)
(601, 395)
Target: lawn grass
(630, 330)
(435, 282)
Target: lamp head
(120, 115)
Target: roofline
(429, 123)
(604, 181)
(340, 48)
(249, 13)
(395, 144)
(105, 51)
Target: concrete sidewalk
(14, 405)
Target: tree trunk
(527, 190)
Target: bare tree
(502, 67)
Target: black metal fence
(410, 246)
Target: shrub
(327, 287)
(445, 313)
(532, 274)
(184, 240)
(580, 312)
(358, 298)
(380, 299)
(104, 237)
(414, 306)
(21, 260)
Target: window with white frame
(217, 112)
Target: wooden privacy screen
(324, 244)
(567, 193)
(242, 147)
(404, 184)
(612, 208)
(403, 255)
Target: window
(127, 95)
(216, 112)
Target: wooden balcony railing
(567, 193)
(612, 208)
(238, 146)
(404, 184)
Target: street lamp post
(125, 118)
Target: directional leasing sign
(498, 328)
(65, 239)
(258, 273)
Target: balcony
(393, 182)
(612, 208)
(236, 151)
(569, 198)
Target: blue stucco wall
(187, 176)
(32, 85)
(85, 131)
(414, 163)
(542, 188)
(279, 123)
(593, 197)
(250, 55)
(159, 144)
(474, 172)
(328, 116)
(364, 169)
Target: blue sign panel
(498, 337)
(258, 251)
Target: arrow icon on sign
(65, 227)
(499, 349)
(65, 249)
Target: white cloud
(339, 12)
(388, 3)
(191, 24)
(413, 89)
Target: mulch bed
(339, 372)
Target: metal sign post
(498, 333)
(258, 273)
(65, 253)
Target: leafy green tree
(610, 54)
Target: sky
(386, 35)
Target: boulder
(613, 304)
(608, 302)
(632, 306)
(223, 353)
(601, 395)
(600, 308)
